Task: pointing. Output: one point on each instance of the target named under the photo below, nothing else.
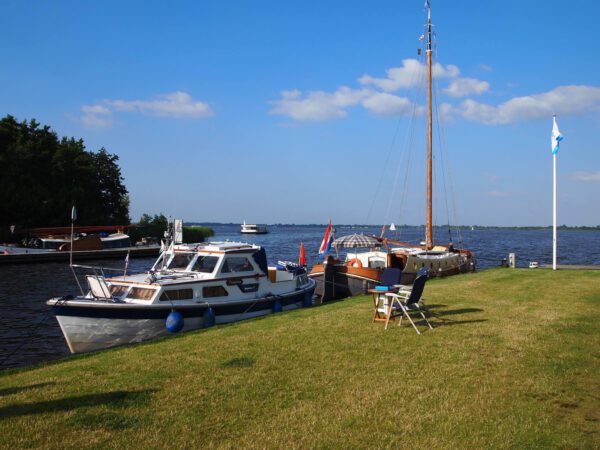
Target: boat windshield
(180, 261)
(237, 264)
(205, 264)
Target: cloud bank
(176, 104)
(567, 100)
(380, 96)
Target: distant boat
(361, 271)
(252, 228)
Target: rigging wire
(405, 149)
(409, 145)
(444, 160)
(410, 139)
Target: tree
(43, 176)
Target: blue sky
(297, 112)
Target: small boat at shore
(204, 283)
(84, 238)
(252, 228)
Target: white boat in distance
(206, 283)
(248, 228)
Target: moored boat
(206, 283)
(361, 271)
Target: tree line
(43, 176)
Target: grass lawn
(513, 361)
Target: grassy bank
(513, 362)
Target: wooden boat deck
(116, 253)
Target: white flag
(556, 137)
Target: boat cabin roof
(217, 247)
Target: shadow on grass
(239, 362)
(15, 390)
(448, 322)
(119, 399)
(454, 312)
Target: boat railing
(97, 271)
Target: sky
(301, 112)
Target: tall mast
(429, 224)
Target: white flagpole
(555, 141)
(554, 218)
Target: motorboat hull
(90, 325)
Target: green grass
(513, 361)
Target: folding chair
(98, 287)
(403, 302)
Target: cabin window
(117, 291)
(205, 264)
(237, 264)
(180, 261)
(141, 293)
(214, 291)
(177, 294)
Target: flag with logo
(556, 137)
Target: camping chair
(403, 302)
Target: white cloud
(585, 176)
(95, 109)
(410, 74)
(485, 67)
(384, 104)
(564, 100)
(96, 116)
(320, 106)
(317, 105)
(462, 87)
(177, 104)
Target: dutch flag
(327, 240)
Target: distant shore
(462, 227)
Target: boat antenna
(429, 220)
(73, 219)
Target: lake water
(29, 332)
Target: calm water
(29, 333)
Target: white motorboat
(252, 228)
(206, 283)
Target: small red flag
(302, 259)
